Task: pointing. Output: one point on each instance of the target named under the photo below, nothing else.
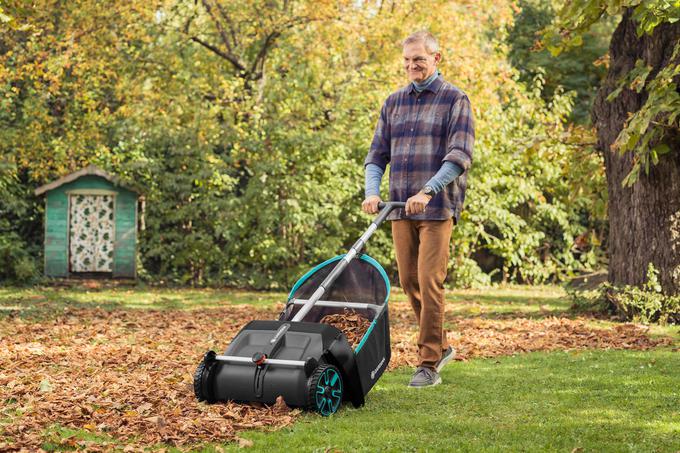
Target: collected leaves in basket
(349, 322)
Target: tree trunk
(644, 220)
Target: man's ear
(437, 57)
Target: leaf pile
(351, 323)
(127, 374)
(476, 337)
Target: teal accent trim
(364, 257)
(389, 288)
(324, 402)
(309, 273)
(368, 332)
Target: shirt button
(411, 129)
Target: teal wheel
(325, 390)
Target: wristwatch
(429, 191)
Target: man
(426, 134)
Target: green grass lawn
(596, 400)
(562, 401)
(511, 301)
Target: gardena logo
(377, 368)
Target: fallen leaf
(103, 373)
(45, 386)
(244, 443)
(157, 420)
(280, 406)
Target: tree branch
(229, 22)
(258, 63)
(227, 56)
(218, 24)
(667, 126)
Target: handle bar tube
(386, 208)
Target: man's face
(418, 62)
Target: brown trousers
(422, 249)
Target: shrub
(647, 304)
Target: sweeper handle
(385, 209)
(390, 205)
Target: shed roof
(89, 170)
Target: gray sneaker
(425, 377)
(446, 358)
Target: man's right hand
(370, 204)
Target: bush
(466, 273)
(646, 305)
(16, 265)
(18, 255)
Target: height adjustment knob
(259, 358)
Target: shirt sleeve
(373, 178)
(379, 153)
(445, 176)
(461, 134)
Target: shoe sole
(444, 361)
(437, 382)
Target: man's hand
(370, 204)
(416, 204)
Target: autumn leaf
(244, 443)
(45, 386)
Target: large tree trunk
(644, 220)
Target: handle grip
(391, 204)
(386, 208)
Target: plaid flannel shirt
(416, 134)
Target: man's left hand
(416, 204)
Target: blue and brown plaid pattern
(415, 134)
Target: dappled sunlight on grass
(534, 402)
(51, 299)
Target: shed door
(91, 233)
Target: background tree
(581, 70)
(636, 115)
(246, 128)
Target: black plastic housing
(304, 341)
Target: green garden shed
(91, 222)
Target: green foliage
(17, 256)
(466, 273)
(580, 70)
(646, 304)
(644, 131)
(528, 204)
(247, 132)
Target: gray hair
(425, 37)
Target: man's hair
(424, 36)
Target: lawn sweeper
(309, 363)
